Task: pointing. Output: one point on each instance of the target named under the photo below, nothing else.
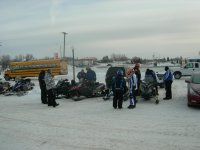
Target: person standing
(168, 79)
(132, 87)
(90, 75)
(50, 84)
(118, 88)
(81, 75)
(42, 87)
(138, 75)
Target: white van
(187, 70)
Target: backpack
(118, 85)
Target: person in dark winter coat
(168, 79)
(42, 87)
(50, 84)
(81, 75)
(90, 75)
(118, 88)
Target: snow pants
(51, 98)
(118, 99)
(168, 88)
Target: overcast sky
(96, 28)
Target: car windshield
(196, 79)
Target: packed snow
(26, 124)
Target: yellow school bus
(33, 68)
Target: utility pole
(73, 64)
(64, 44)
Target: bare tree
(119, 57)
(19, 58)
(29, 57)
(5, 60)
(106, 59)
(136, 60)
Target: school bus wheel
(7, 78)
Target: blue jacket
(90, 75)
(168, 76)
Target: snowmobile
(62, 88)
(87, 89)
(4, 87)
(148, 90)
(20, 87)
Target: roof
(88, 58)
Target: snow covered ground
(26, 124)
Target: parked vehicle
(193, 89)
(4, 87)
(62, 88)
(194, 59)
(148, 90)
(87, 89)
(33, 68)
(21, 87)
(111, 72)
(187, 70)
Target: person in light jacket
(50, 84)
(132, 87)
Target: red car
(193, 93)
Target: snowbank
(26, 124)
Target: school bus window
(14, 68)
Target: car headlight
(192, 92)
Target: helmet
(119, 72)
(129, 71)
(137, 65)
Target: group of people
(90, 75)
(47, 84)
(119, 86)
(133, 78)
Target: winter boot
(131, 106)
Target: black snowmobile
(148, 90)
(87, 89)
(62, 88)
(4, 87)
